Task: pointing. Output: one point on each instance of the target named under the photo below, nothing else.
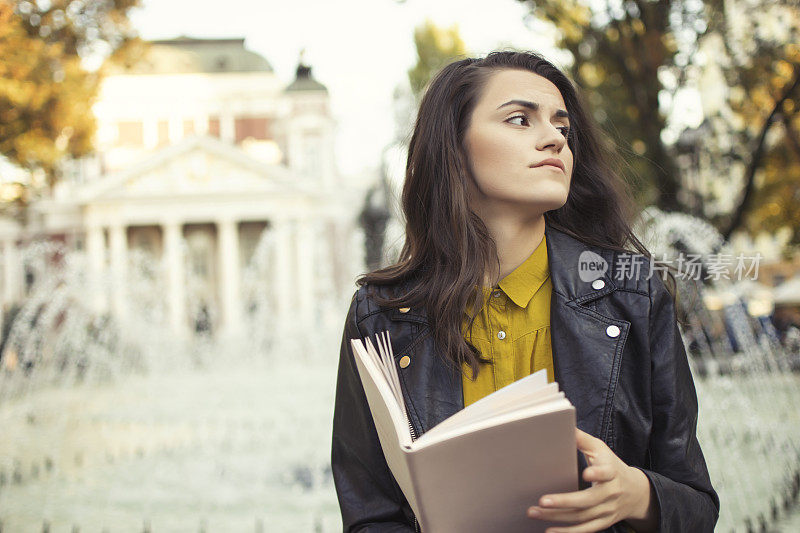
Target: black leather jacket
(633, 390)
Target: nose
(550, 137)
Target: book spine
(416, 509)
(413, 438)
(411, 429)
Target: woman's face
(518, 124)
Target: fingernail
(533, 513)
(546, 501)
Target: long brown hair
(448, 247)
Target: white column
(96, 255)
(229, 272)
(339, 258)
(294, 150)
(201, 125)
(356, 261)
(285, 305)
(305, 285)
(118, 244)
(326, 268)
(227, 128)
(175, 129)
(150, 132)
(328, 156)
(176, 277)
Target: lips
(551, 162)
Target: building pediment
(198, 166)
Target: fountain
(112, 423)
(749, 424)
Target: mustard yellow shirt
(512, 329)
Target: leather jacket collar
(564, 253)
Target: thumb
(588, 444)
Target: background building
(202, 152)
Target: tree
(774, 203)
(761, 68)
(637, 58)
(46, 91)
(436, 47)
(618, 50)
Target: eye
(564, 130)
(523, 117)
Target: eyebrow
(533, 106)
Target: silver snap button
(496, 294)
(612, 331)
(598, 284)
(501, 335)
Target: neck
(516, 239)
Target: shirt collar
(523, 282)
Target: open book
(480, 469)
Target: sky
(360, 49)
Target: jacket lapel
(586, 354)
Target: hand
(618, 492)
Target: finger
(569, 515)
(589, 445)
(584, 440)
(598, 473)
(598, 524)
(580, 499)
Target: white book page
(375, 357)
(464, 417)
(393, 432)
(430, 438)
(387, 356)
(519, 388)
(517, 392)
(367, 363)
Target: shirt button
(501, 335)
(496, 294)
(405, 361)
(598, 284)
(612, 331)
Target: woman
(518, 256)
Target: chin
(541, 203)
(556, 204)
(551, 197)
